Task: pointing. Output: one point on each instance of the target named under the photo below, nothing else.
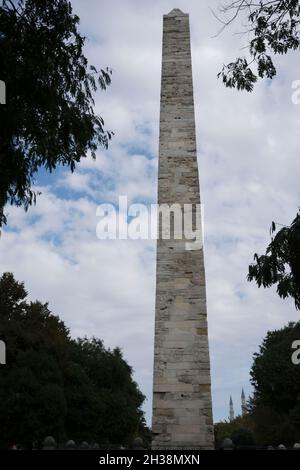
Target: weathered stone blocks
(182, 411)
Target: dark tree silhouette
(280, 265)
(275, 406)
(48, 119)
(54, 385)
(273, 27)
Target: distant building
(231, 410)
(243, 406)
(243, 400)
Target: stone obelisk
(182, 408)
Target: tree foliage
(242, 437)
(54, 385)
(275, 406)
(273, 412)
(273, 27)
(48, 119)
(280, 265)
(240, 430)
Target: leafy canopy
(280, 265)
(48, 119)
(54, 385)
(275, 406)
(273, 27)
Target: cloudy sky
(248, 148)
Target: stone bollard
(49, 443)
(70, 445)
(227, 444)
(84, 446)
(138, 444)
(281, 447)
